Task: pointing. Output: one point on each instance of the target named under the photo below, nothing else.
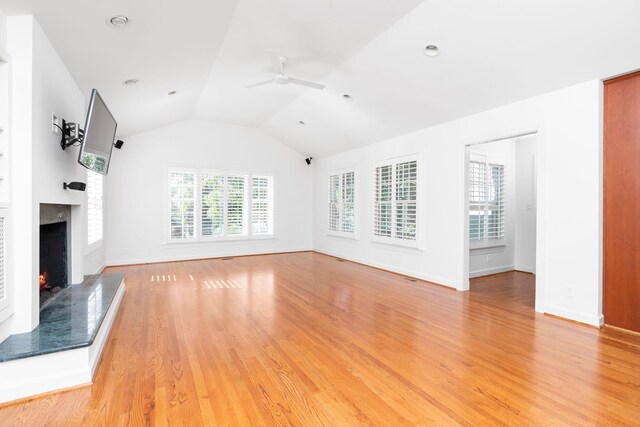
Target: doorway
(501, 214)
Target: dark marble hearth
(47, 295)
(71, 320)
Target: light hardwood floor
(302, 339)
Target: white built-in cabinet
(6, 297)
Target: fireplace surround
(55, 260)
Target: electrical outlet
(56, 124)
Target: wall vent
(339, 260)
(410, 279)
(227, 259)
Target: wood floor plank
(301, 339)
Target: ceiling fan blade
(266, 82)
(306, 83)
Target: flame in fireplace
(44, 284)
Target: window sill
(204, 242)
(491, 248)
(411, 245)
(350, 236)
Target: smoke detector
(130, 82)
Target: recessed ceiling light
(302, 122)
(173, 92)
(130, 82)
(347, 97)
(117, 21)
(431, 50)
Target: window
(395, 218)
(212, 205)
(182, 201)
(262, 206)
(236, 205)
(228, 205)
(486, 203)
(342, 203)
(94, 208)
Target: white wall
(3, 31)
(501, 258)
(42, 85)
(137, 222)
(5, 326)
(568, 273)
(525, 204)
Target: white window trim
(355, 234)
(418, 243)
(496, 244)
(198, 238)
(91, 247)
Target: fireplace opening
(54, 256)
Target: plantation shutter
(237, 205)
(395, 217)
(347, 217)
(262, 205)
(382, 203)
(182, 190)
(477, 202)
(342, 203)
(94, 207)
(212, 205)
(334, 202)
(495, 202)
(486, 202)
(406, 199)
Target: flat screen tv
(99, 134)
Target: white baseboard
(493, 270)
(525, 268)
(593, 320)
(428, 278)
(161, 259)
(33, 375)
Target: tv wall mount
(72, 134)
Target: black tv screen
(99, 134)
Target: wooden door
(621, 277)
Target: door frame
(538, 129)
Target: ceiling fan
(281, 78)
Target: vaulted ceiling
(493, 52)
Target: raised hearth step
(70, 321)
